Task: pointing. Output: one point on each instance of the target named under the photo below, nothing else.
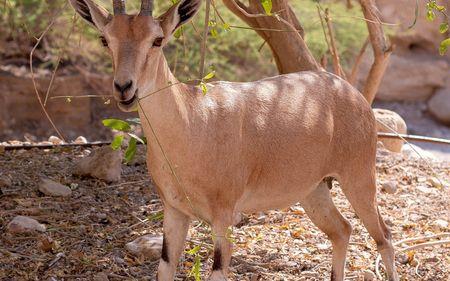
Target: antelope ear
(178, 15)
(91, 12)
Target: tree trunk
(290, 50)
(288, 47)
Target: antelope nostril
(122, 88)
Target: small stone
(101, 276)
(435, 182)
(389, 187)
(441, 223)
(148, 246)
(5, 182)
(55, 140)
(22, 224)
(104, 163)
(80, 140)
(416, 153)
(369, 275)
(51, 188)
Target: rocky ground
(81, 234)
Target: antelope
(242, 147)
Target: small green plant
(432, 9)
(125, 127)
(195, 270)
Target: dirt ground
(86, 233)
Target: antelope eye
(158, 42)
(104, 42)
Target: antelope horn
(119, 7)
(146, 7)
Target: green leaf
(226, 26)
(117, 142)
(203, 87)
(444, 46)
(267, 6)
(117, 124)
(443, 27)
(137, 138)
(131, 150)
(209, 75)
(194, 250)
(431, 15)
(159, 216)
(179, 32)
(195, 271)
(214, 32)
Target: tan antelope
(242, 147)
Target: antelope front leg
(175, 227)
(222, 253)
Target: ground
(86, 233)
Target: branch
(380, 47)
(358, 60)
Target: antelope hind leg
(323, 213)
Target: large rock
(412, 77)
(22, 224)
(51, 188)
(147, 246)
(415, 68)
(390, 122)
(104, 163)
(439, 105)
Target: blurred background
(70, 63)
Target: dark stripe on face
(333, 276)
(164, 255)
(217, 265)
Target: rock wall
(20, 112)
(416, 71)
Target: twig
(423, 245)
(205, 38)
(32, 71)
(408, 240)
(358, 60)
(412, 137)
(333, 49)
(58, 61)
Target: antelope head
(135, 42)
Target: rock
(22, 224)
(369, 275)
(390, 122)
(435, 182)
(412, 78)
(441, 223)
(55, 140)
(389, 187)
(51, 188)
(80, 140)
(439, 105)
(415, 68)
(414, 152)
(101, 276)
(148, 246)
(104, 163)
(5, 181)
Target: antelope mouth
(129, 105)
